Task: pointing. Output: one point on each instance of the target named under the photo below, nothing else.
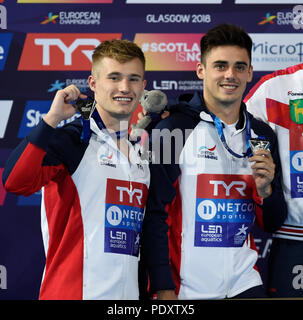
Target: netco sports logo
(224, 210)
(61, 51)
(124, 216)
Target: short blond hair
(120, 50)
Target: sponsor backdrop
(46, 45)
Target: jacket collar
(195, 103)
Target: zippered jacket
(203, 203)
(92, 209)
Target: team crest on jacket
(207, 153)
(225, 210)
(296, 110)
(124, 213)
(105, 156)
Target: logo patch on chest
(225, 210)
(124, 213)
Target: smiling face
(117, 87)
(225, 72)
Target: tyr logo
(67, 50)
(240, 186)
(60, 51)
(131, 194)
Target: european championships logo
(294, 18)
(267, 19)
(50, 18)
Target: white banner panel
(5, 110)
(268, 1)
(275, 51)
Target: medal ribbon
(219, 127)
(86, 133)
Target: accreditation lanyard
(86, 127)
(219, 127)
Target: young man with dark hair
(203, 204)
(94, 184)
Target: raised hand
(61, 108)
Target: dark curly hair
(224, 35)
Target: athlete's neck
(229, 114)
(113, 122)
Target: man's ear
(200, 70)
(92, 83)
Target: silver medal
(257, 144)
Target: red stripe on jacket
(174, 222)
(63, 278)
